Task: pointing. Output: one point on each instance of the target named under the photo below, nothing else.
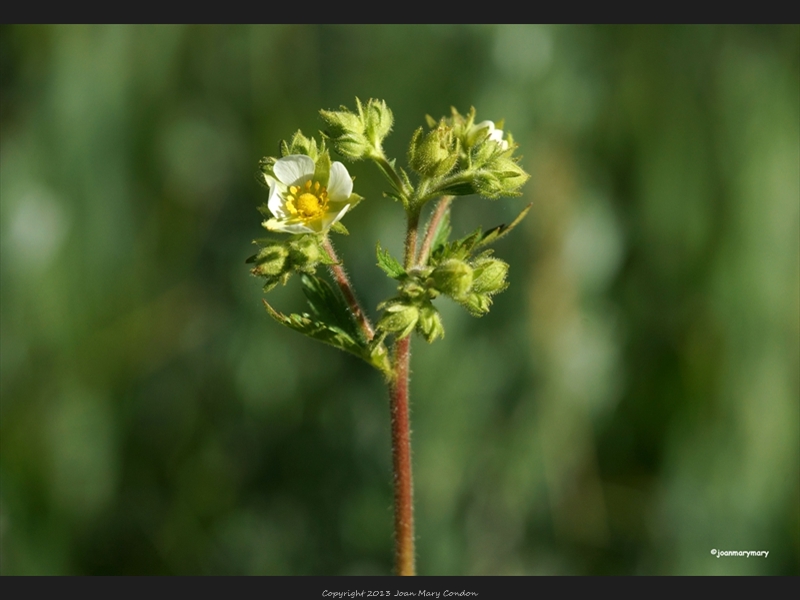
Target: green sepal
(265, 166)
(477, 304)
(322, 168)
(429, 324)
(300, 144)
(389, 264)
(399, 318)
(339, 228)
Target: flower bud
(304, 252)
(271, 261)
(412, 290)
(399, 319)
(346, 133)
(489, 276)
(453, 277)
(433, 154)
(359, 135)
(430, 323)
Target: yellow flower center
(307, 202)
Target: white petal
(283, 226)
(488, 124)
(297, 228)
(276, 201)
(294, 169)
(331, 218)
(340, 186)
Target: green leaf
(389, 264)
(320, 331)
(328, 306)
(500, 231)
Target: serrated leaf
(389, 264)
(500, 231)
(320, 331)
(328, 306)
(458, 249)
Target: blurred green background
(631, 402)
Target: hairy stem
(433, 225)
(340, 276)
(401, 432)
(401, 461)
(411, 239)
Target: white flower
(494, 134)
(299, 204)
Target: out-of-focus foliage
(630, 404)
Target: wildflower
(300, 202)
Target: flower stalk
(343, 281)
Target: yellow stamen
(308, 202)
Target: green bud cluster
(471, 283)
(277, 261)
(359, 135)
(412, 308)
(476, 158)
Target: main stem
(401, 433)
(401, 462)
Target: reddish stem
(401, 461)
(430, 232)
